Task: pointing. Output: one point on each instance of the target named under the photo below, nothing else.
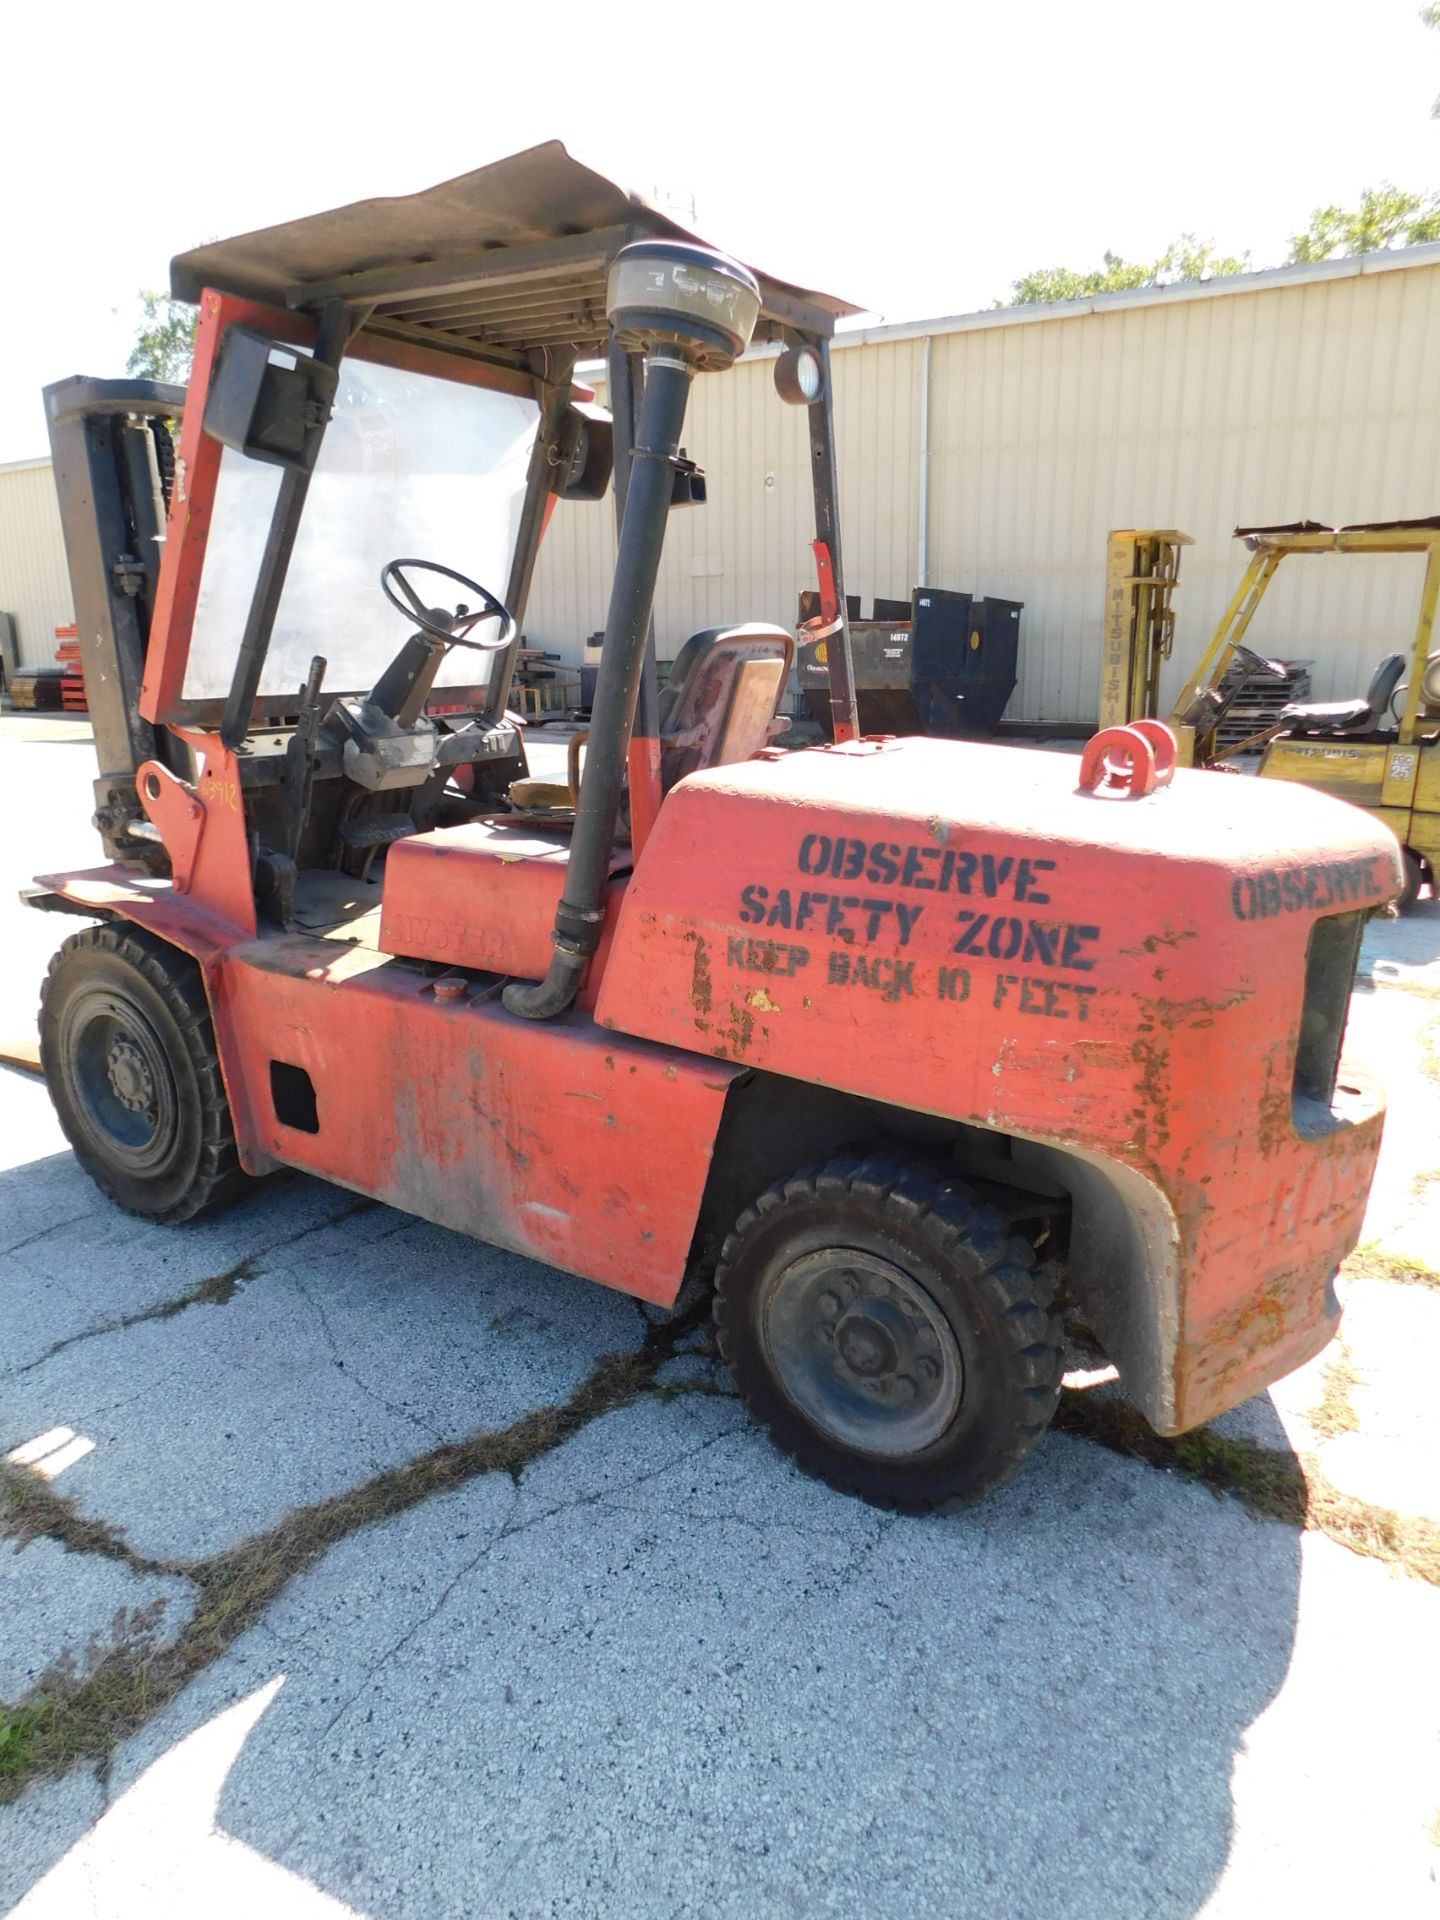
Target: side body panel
(1352, 770)
(555, 1140)
(1395, 783)
(1425, 826)
(479, 896)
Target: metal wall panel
(34, 580)
(1271, 399)
(1313, 400)
(745, 555)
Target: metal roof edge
(24, 466)
(1264, 280)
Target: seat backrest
(721, 699)
(1383, 683)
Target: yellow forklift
(1380, 751)
(1142, 572)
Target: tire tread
(219, 1178)
(956, 1227)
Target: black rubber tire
(135, 982)
(1414, 880)
(981, 1278)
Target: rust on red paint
(1120, 978)
(950, 928)
(487, 1126)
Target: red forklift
(902, 1036)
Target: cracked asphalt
(653, 1671)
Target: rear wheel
(129, 1057)
(889, 1333)
(1414, 880)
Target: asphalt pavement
(442, 1583)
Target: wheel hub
(864, 1351)
(119, 1079)
(870, 1340)
(130, 1078)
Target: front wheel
(889, 1333)
(129, 1056)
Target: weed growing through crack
(31, 1509)
(1369, 1262)
(71, 1716)
(75, 1699)
(1335, 1412)
(17, 1753)
(74, 1715)
(1269, 1484)
(216, 1291)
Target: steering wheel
(454, 629)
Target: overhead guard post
(839, 662)
(627, 629)
(337, 323)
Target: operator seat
(1349, 716)
(720, 702)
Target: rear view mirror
(585, 452)
(688, 487)
(268, 400)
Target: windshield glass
(410, 467)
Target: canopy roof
(1358, 526)
(495, 264)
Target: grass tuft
(31, 1509)
(17, 1745)
(1335, 1412)
(1269, 1484)
(1371, 1262)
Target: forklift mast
(114, 465)
(1142, 571)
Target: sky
(915, 159)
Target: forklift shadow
(665, 1672)
(275, 1354)
(679, 1677)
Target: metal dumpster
(945, 665)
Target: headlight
(799, 376)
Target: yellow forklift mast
(1142, 571)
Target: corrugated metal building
(993, 452)
(34, 580)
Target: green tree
(166, 340)
(1184, 259)
(1430, 15)
(1386, 217)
